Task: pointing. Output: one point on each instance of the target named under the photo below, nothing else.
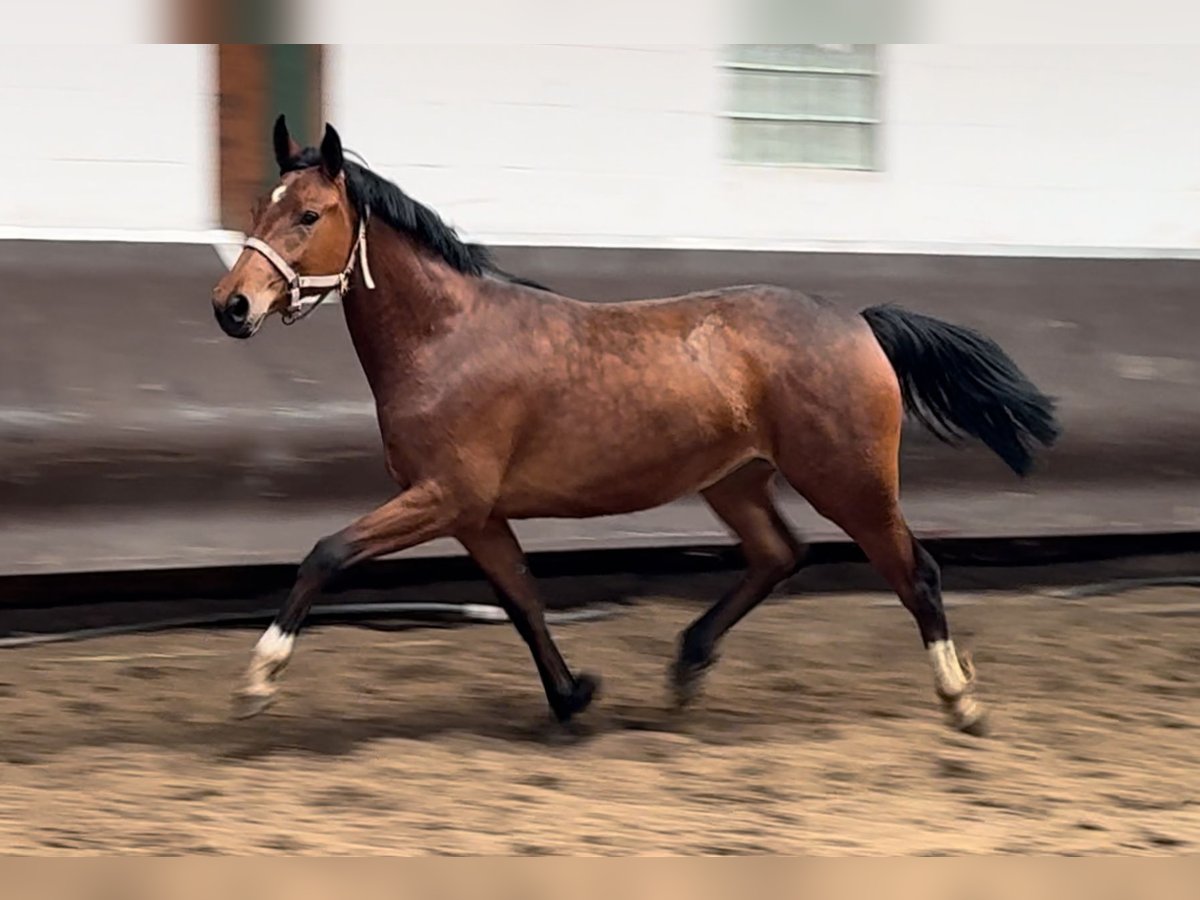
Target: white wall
(1083, 149)
(101, 138)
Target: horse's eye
(309, 217)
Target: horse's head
(302, 239)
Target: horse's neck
(415, 298)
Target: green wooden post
(291, 83)
(256, 21)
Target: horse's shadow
(297, 725)
(326, 733)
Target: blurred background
(1046, 194)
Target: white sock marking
(274, 646)
(948, 675)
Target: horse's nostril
(238, 309)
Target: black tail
(957, 382)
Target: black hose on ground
(465, 613)
(475, 613)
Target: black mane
(386, 201)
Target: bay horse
(498, 399)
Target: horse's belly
(636, 433)
(612, 479)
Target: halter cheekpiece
(316, 287)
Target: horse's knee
(327, 557)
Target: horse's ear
(286, 149)
(331, 153)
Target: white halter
(299, 285)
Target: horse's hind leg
(870, 514)
(742, 500)
(495, 549)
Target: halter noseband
(298, 285)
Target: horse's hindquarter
(637, 404)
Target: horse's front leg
(420, 514)
(494, 547)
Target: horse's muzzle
(234, 316)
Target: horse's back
(633, 403)
(747, 297)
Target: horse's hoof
(248, 704)
(687, 681)
(582, 694)
(968, 716)
(975, 725)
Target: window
(803, 104)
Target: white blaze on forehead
(277, 194)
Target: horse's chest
(411, 436)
